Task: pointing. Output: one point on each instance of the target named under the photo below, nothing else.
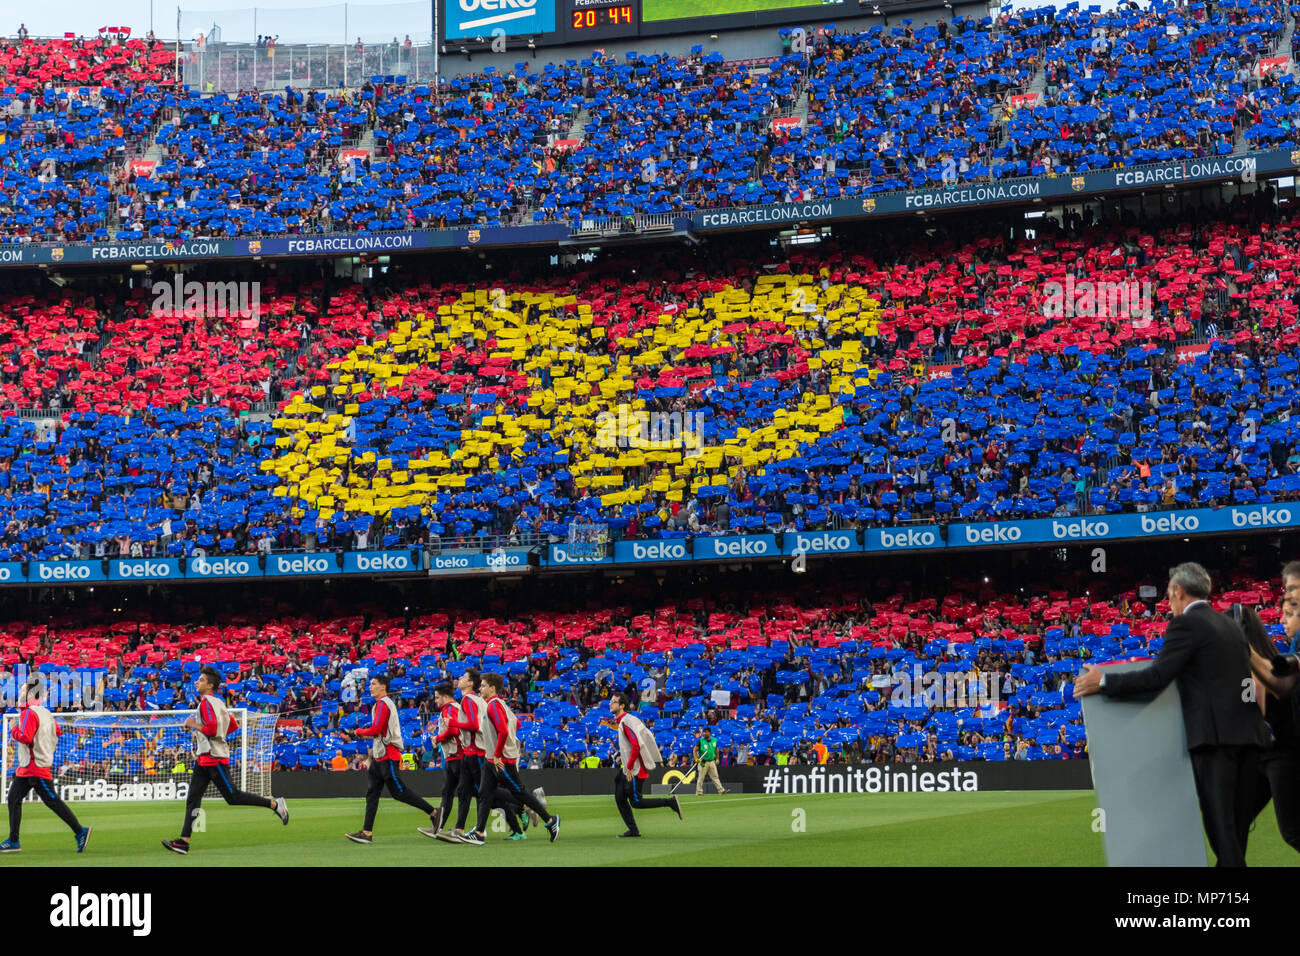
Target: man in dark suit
(1207, 653)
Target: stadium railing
(231, 67)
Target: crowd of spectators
(830, 672)
(851, 386)
(1030, 92)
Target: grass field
(680, 9)
(1044, 828)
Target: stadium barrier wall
(1241, 166)
(664, 552)
(1207, 170)
(929, 537)
(940, 777)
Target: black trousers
(1278, 779)
(467, 790)
(50, 796)
(467, 787)
(383, 773)
(627, 794)
(1225, 785)
(450, 786)
(220, 775)
(503, 788)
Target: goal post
(144, 755)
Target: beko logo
(1262, 518)
(911, 538)
(505, 560)
(302, 565)
(63, 572)
(561, 556)
(1083, 528)
(221, 567)
(658, 552)
(469, 6)
(443, 564)
(383, 562)
(739, 549)
(500, 11)
(145, 569)
(837, 542)
(1170, 524)
(994, 535)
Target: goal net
(144, 755)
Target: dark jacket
(1207, 653)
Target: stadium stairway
(578, 130)
(1282, 48)
(367, 140)
(1001, 126)
(153, 153)
(801, 108)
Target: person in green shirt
(706, 754)
(590, 762)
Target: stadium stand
(111, 60)
(1142, 85)
(893, 108)
(1034, 92)
(1086, 368)
(809, 393)
(835, 665)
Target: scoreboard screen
(598, 19)
(553, 22)
(664, 10)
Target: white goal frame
(256, 780)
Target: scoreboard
(600, 19)
(555, 22)
(550, 21)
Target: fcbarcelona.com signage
(1248, 166)
(277, 247)
(472, 18)
(485, 18)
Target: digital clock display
(600, 19)
(603, 17)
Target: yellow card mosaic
(590, 379)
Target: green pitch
(1043, 828)
(680, 9)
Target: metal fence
(230, 67)
(370, 22)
